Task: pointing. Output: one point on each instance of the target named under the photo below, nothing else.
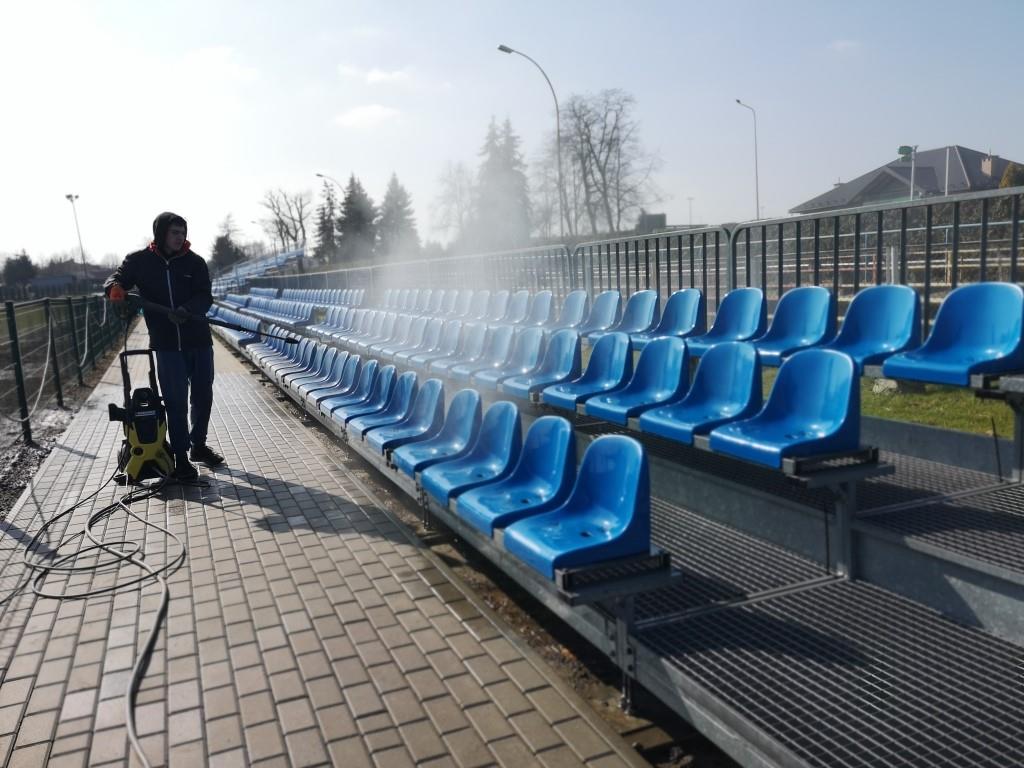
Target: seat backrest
(981, 315)
(432, 334)
(574, 309)
(350, 372)
(684, 313)
(728, 380)
(450, 336)
(610, 360)
(367, 379)
(497, 305)
(500, 437)
(887, 315)
(436, 300)
(540, 308)
(401, 329)
(664, 366)
(423, 299)
(450, 297)
(641, 309)
(742, 314)
(517, 306)
(474, 336)
(613, 483)
(563, 355)
(500, 343)
(807, 312)
(526, 349)
(383, 386)
(478, 307)
(428, 407)
(548, 455)
(462, 422)
(604, 312)
(402, 395)
(816, 387)
(387, 327)
(416, 331)
(462, 304)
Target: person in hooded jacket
(169, 273)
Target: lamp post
(911, 151)
(71, 199)
(558, 136)
(330, 179)
(690, 201)
(757, 183)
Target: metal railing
(932, 244)
(49, 345)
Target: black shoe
(184, 471)
(206, 455)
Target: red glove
(117, 293)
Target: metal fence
(49, 345)
(932, 245)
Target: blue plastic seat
(496, 307)
(517, 307)
(399, 333)
(662, 376)
(540, 481)
(603, 313)
(361, 391)
(461, 424)
(417, 327)
(383, 387)
(561, 363)
(496, 349)
(977, 330)
(606, 517)
(471, 347)
(492, 457)
(397, 408)
(333, 378)
(424, 420)
(478, 307)
(540, 310)
(640, 315)
(461, 305)
(574, 311)
(320, 376)
(609, 368)
(880, 321)
(346, 384)
(804, 317)
(446, 345)
(431, 338)
(684, 315)
(742, 316)
(813, 410)
(380, 333)
(433, 306)
(726, 387)
(524, 357)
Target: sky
(200, 107)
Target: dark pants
(176, 371)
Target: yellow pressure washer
(144, 454)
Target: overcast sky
(200, 107)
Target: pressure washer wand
(146, 304)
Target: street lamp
(558, 136)
(911, 151)
(757, 183)
(331, 179)
(71, 199)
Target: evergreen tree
(503, 204)
(326, 247)
(225, 251)
(396, 227)
(355, 225)
(1013, 176)
(18, 270)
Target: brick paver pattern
(305, 627)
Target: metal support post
(845, 495)
(625, 658)
(53, 354)
(74, 340)
(19, 374)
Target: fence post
(53, 353)
(19, 375)
(74, 340)
(91, 348)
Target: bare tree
(453, 206)
(288, 216)
(608, 176)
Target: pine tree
(396, 228)
(19, 269)
(326, 246)
(503, 205)
(355, 225)
(225, 251)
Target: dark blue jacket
(181, 280)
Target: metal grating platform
(850, 675)
(914, 479)
(718, 563)
(987, 526)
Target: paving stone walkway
(305, 628)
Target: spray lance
(184, 314)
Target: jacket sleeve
(124, 276)
(202, 289)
